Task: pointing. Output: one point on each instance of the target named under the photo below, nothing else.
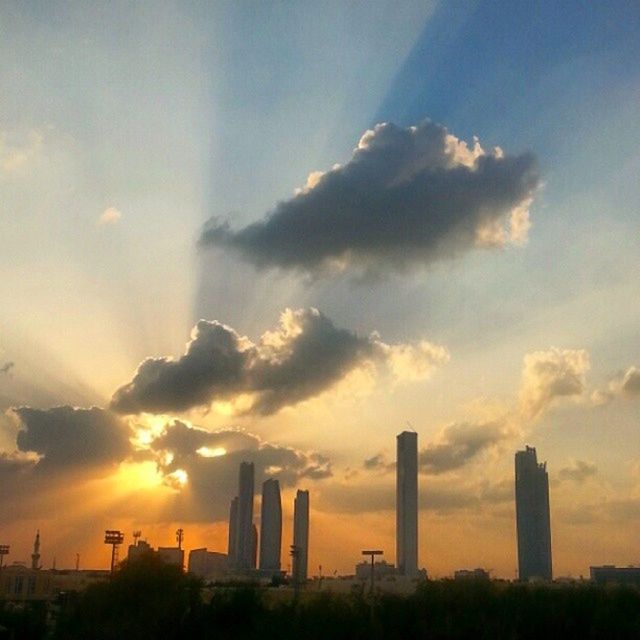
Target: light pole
(115, 539)
(373, 554)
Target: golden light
(209, 452)
(177, 479)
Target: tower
(407, 503)
(532, 516)
(300, 537)
(35, 556)
(233, 532)
(244, 536)
(270, 526)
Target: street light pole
(373, 554)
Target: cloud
(458, 443)
(6, 367)
(551, 374)
(68, 436)
(407, 197)
(304, 356)
(211, 461)
(19, 151)
(578, 471)
(110, 215)
(623, 385)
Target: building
(244, 533)
(233, 532)
(407, 504)
(208, 565)
(532, 517)
(270, 527)
(608, 574)
(172, 555)
(19, 583)
(381, 570)
(300, 537)
(140, 548)
(471, 574)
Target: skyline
(470, 176)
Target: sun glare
(209, 452)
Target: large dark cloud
(625, 384)
(68, 436)
(303, 357)
(211, 461)
(407, 196)
(578, 471)
(458, 444)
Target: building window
(31, 585)
(18, 583)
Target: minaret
(35, 556)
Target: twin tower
(243, 534)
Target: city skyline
(283, 235)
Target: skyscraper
(270, 526)
(233, 532)
(532, 516)
(244, 536)
(407, 503)
(301, 536)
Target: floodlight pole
(4, 550)
(373, 554)
(115, 539)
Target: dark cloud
(406, 197)
(578, 471)
(380, 463)
(625, 384)
(303, 357)
(6, 367)
(458, 444)
(68, 436)
(631, 382)
(211, 461)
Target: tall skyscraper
(301, 536)
(233, 532)
(407, 503)
(244, 536)
(270, 526)
(532, 516)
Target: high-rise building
(407, 504)
(244, 536)
(532, 517)
(270, 526)
(233, 532)
(300, 536)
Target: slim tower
(233, 532)
(270, 526)
(532, 516)
(300, 537)
(35, 556)
(407, 503)
(244, 537)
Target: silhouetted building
(407, 503)
(207, 564)
(244, 538)
(301, 536)
(172, 555)
(471, 574)
(35, 556)
(608, 574)
(233, 532)
(270, 527)
(532, 517)
(381, 570)
(140, 548)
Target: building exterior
(407, 504)
(172, 555)
(19, 583)
(208, 565)
(140, 548)
(301, 537)
(233, 532)
(381, 570)
(270, 527)
(532, 517)
(608, 574)
(244, 534)
(471, 574)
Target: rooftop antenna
(136, 537)
(179, 537)
(77, 562)
(411, 427)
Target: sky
(286, 232)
